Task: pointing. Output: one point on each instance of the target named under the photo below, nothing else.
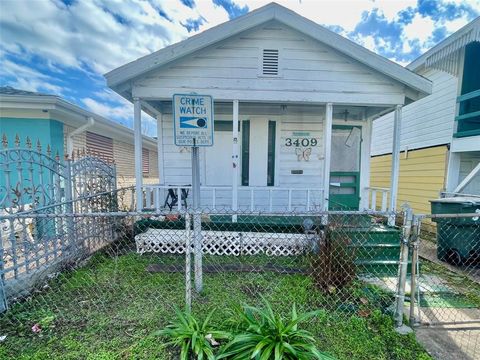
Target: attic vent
(270, 62)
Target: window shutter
(101, 146)
(145, 161)
(270, 62)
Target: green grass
(109, 309)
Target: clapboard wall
(307, 71)
(426, 122)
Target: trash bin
(458, 239)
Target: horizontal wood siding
(422, 176)
(426, 122)
(288, 159)
(305, 66)
(125, 160)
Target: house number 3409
(305, 142)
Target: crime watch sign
(193, 120)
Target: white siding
(426, 122)
(467, 162)
(177, 162)
(288, 160)
(307, 70)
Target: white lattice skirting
(232, 243)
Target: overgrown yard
(109, 309)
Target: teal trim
(468, 96)
(461, 134)
(245, 152)
(467, 116)
(469, 100)
(272, 125)
(346, 201)
(346, 127)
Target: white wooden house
(294, 105)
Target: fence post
(413, 273)
(197, 220)
(403, 267)
(69, 207)
(188, 263)
(3, 297)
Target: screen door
(345, 168)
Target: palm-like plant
(192, 338)
(265, 335)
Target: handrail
(372, 197)
(468, 96)
(153, 198)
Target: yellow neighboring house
(440, 134)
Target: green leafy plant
(264, 335)
(192, 338)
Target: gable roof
(272, 11)
(449, 47)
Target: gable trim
(273, 11)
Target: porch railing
(251, 198)
(372, 193)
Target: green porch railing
(468, 120)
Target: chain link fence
(124, 272)
(446, 281)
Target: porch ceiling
(341, 112)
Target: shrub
(263, 335)
(333, 267)
(192, 338)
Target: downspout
(90, 122)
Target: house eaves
(119, 79)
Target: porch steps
(376, 249)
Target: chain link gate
(445, 281)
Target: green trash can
(458, 239)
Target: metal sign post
(194, 126)
(197, 219)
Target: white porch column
(160, 159)
(327, 151)
(235, 162)
(365, 163)
(397, 127)
(137, 128)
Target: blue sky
(65, 46)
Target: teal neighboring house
(39, 126)
(62, 128)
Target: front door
(218, 158)
(345, 168)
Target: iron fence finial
(39, 146)
(4, 141)
(17, 140)
(28, 142)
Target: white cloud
(121, 110)
(29, 79)
(420, 28)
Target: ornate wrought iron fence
(39, 182)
